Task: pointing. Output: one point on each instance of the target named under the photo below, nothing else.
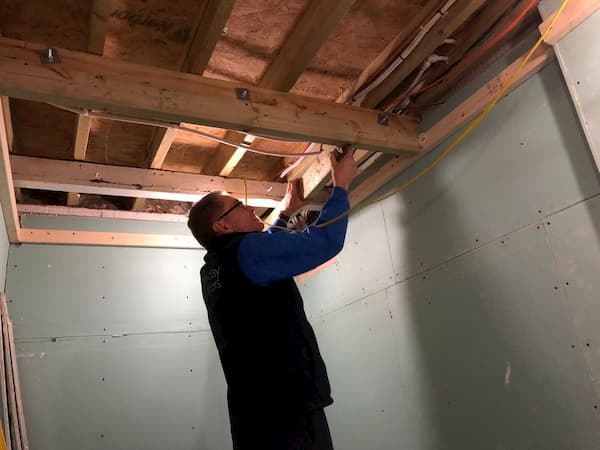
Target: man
(276, 379)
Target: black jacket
(268, 349)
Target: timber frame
(255, 114)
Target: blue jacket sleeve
(268, 257)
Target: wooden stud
(315, 25)
(96, 38)
(88, 178)
(574, 14)
(7, 192)
(82, 136)
(52, 210)
(458, 73)
(443, 29)
(205, 34)
(162, 139)
(480, 99)
(454, 121)
(98, 19)
(65, 237)
(394, 47)
(10, 137)
(87, 81)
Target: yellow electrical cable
(458, 140)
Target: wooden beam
(52, 210)
(8, 127)
(7, 192)
(455, 120)
(98, 19)
(205, 34)
(67, 237)
(315, 25)
(395, 46)
(162, 139)
(573, 15)
(458, 73)
(88, 178)
(468, 109)
(87, 81)
(443, 29)
(82, 136)
(96, 38)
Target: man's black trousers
(281, 432)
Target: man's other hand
(344, 170)
(294, 197)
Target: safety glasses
(235, 205)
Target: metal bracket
(383, 119)
(242, 94)
(49, 56)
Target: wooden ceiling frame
(97, 36)
(429, 140)
(576, 12)
(203, 39)
(317, 170)
(87, 81)
(318, 174)
(316, 23)
(454, 121)
(101, 179)
(456, 75)
(455, 17)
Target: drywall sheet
(574, 235)
(477, 341)
(528, 159)
(114, 347)
(578, 54)
(148, 391)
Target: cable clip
(49, 56)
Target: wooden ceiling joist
(7, 122)
(456, 119)
(54, 210)
(457, 74)
(458, 14)
(205, 34)
(97, 36)
(312, 29)
(97, 33)
(87, 81)
(317, 173)
(67, 237)
(162, 139)
(88, 178)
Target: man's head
(218, 213)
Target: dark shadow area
(501, 367)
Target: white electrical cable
(361, 93)
(119, 118)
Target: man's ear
(220, 227)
